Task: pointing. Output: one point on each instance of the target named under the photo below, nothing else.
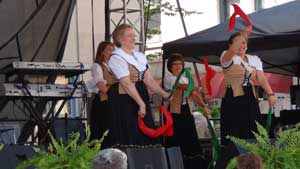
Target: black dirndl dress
(186, 137)
(99, 121)
(238, 114)
(124, 130)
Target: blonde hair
(119, 32)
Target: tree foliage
(155, 7)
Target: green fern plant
(283, 154)
(66, 156)
(1, 146)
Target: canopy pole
(107, 20)
(182, 19)
(298, 68)
(199, 81)
(161, 118)
(163, 72)
(197, 74)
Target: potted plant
(66, 155)
(284, 153)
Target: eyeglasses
(130, 35)
(177, 63)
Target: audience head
(249, 161)
(175, 63)
(124, 36)
(104, 51)
(110, 158)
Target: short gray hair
(110, 158)
(119, 32)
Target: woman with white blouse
(239, 108)
(185, 134)
(99, 85)
(128, 97)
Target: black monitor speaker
(174, 158)
(64, 127)
(233, 150)
(295, 95)
(146, 158)
(12, 155)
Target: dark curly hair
(174, 57)
(234, 35)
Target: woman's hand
(266, 86)
(206, 112)
(247, 30)
(142, 111)
(130, 89)
(167, 96)
(272, 100)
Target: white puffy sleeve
(97, 76)
(118, 66)
(223, 63)
(169, 81)
(97, 73)
(256, 62)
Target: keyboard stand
(33, 107)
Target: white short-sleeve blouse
(170, 79)
(253, 61)
(118, 62)
(97, 76)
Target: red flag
(237, 11)
(210, 73)
(164, 130)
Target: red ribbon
(210, 73)
(164, 130)
(237, 11)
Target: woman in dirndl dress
(99, 85)
(239, 107)
(128, 96)
(185, 134)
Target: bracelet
(271, 94)
(168, 98)
(205, 105)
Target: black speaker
(289, 117)
(295, 95)
(228, 152)
(12, 155)
(146, 158)
(174, 158)
(232, 150)
(7, 135)
(64, 127)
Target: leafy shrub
(284, 153)
(66, 156)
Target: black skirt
(185, 136)
(99, 115)
(238, 115)
(124, 130)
